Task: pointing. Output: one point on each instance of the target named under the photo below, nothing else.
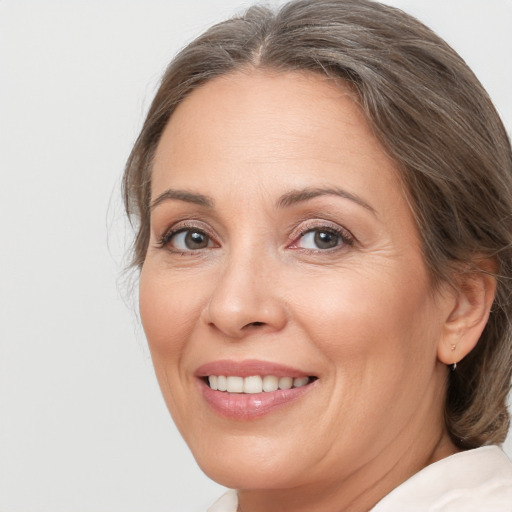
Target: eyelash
(346, 238)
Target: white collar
(474, 480)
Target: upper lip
(247, 368)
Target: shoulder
(475, 480)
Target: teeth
(285, 383)
(270, 383)
(213, 380)
(235, 384)
(300, 381)
(255, 383)
(222, 383)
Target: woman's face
(283, 253)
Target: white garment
(478, 480)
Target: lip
(247, 368)
(242, 406)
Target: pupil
(324, 240)
(195, 240)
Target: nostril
(255, 324)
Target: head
(443, 154)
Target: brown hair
(434, 118)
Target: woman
(323, 197)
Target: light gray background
(82, 424)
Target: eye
(322, 238)
(186, 240)
(318, 239)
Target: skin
(361, 316)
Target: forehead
(269, 128)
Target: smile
(255, 383)
(250, 389)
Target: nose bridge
(243, 296)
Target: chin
(250, 466)
(249, 477)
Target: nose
(245, 299)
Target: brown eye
(326, 240)
(190, 240)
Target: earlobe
(472, 298)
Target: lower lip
(246, 406)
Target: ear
(468, 312)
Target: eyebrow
(286, 200)
(305, 194)
(182, 195)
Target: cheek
(381, 318)
(375, 333)
(169, 310)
